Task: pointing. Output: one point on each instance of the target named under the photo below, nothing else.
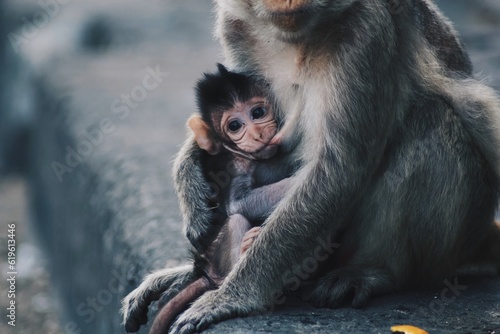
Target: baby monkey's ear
(204, 135)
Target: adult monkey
(399, 148)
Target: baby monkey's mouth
(266, 152)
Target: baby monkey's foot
(249, 238)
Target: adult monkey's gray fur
(399, 145)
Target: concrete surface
(110, 89)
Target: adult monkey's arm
(193, 192)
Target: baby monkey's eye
(234, 126)
(258, 112)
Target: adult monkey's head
(292, 20)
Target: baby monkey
(238, 129)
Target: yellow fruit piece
(408, 330)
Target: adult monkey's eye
(258, 112)
(234, 126)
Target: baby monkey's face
(251, 125)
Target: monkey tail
(179, 303)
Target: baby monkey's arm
(260, 202)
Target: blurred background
(94, 96)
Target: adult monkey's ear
(203, 134)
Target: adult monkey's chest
(299, 76)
